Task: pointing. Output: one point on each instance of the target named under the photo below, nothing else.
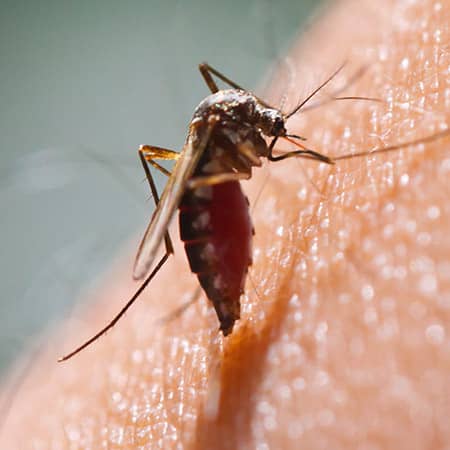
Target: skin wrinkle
(346, 344)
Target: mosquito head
(271, 121)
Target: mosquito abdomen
(216, 228)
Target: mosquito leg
(157, 166)
(154, 191)
(216, 179)
(303, 153)
(433, 137)
(206, 70)
(151, 153)
(307, 154)
(145, 152)
(121, 313)
(311, 154)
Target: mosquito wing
(170, 199)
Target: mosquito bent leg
(154, 191)
(303, 153)
(151, 153)
(311, 154)
(206, 70)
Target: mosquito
(226, 139)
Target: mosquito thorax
(230, 104)
(242, 107)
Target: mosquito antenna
(313, 93)
(358, 74)
(332, 99)
(120, 314)
(357, 97)
(391, 148)
(334, 95)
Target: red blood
(231, 235)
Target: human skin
(344, 336)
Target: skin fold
(343, 340)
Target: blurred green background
(82, 85)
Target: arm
(345, 340)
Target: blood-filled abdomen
(216, 228)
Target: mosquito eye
(278, 127)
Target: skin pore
(343, 340)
